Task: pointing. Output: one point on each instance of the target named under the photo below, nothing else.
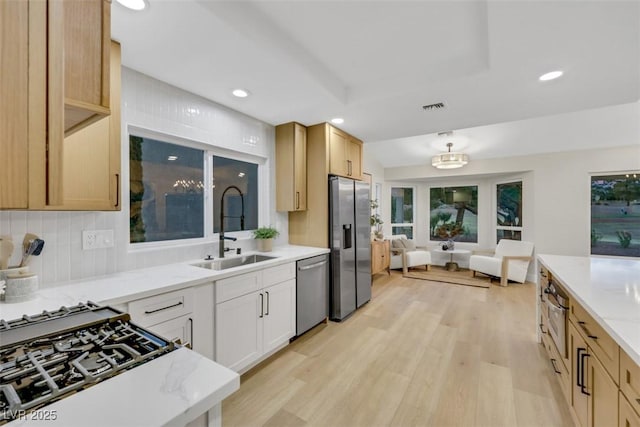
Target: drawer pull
(179, 303)
(586, 331)
(542, 329)
(553, 363)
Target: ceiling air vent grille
(436, 106)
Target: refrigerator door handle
(346, 236)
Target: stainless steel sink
(225, 263)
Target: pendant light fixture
(449, 160)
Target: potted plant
(375, 220)
(264, 237)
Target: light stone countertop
(169, 390)
(609, 289)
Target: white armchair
(405, 253)
(510, 262)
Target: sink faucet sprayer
(223, 216)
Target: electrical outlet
(97, 239)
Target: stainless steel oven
(557, 308)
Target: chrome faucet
(223, 216)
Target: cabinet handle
(553, 363)
(179, 303)
(267, 312)
(586, 331)
(191, 332)
(579, 376)
(542, 329)
(297, 200)
(583, 385)
(638, 400)
(261, 306)
(117, 190)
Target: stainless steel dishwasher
(312, 292)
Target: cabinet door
(180, 329)
(579, 356)
(87, 34)
(14, 62)
(627, 416)
(338, 152)
(291, 167)
(279, 314)
(239, 331)
(354, 158)
(91, 157)
(603, 402)
(300, 168)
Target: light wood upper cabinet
(91, 156)
(14, 63)
(291, 167)
(59, 74)
(85, 28)
(345, 154)
(330, 151)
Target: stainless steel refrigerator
(350, 231)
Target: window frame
(208, 152)
(413, 210)
(494, 208)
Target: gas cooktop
(51, 355)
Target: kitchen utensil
(39, 243)
(6, 249)
(29, 245)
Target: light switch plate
(97, 239)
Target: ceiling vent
(435, 106)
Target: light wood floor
(419, 354)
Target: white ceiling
(376, 63)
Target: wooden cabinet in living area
(291, 167)
(380, 257)
(57, 71)
(255, 315)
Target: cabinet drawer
(180, 328)
(236, 286)
(279, 273)
(630, 380)
(599, 341)
(160, 308)
(627, 417)
(556, 363)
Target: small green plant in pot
(264, 237)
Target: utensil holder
(19, 287)
(13, 271)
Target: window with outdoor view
(615, 215)
(402, 219)
(509, 211)
(454, 213)
(166, 191)
(244, 176)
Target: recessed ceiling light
(337, 120)
(172, 158)
(550, 76)
(133, 4)
(240, 93)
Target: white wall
(163, 109)
(556, 192)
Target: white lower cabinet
(250, 326)
(239, 331)
(279, 322)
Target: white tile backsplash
(156, 106)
